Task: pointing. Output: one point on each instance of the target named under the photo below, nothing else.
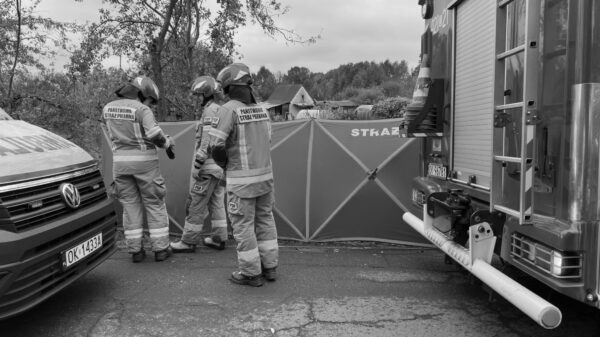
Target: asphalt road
(321, 291)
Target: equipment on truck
(511, 154)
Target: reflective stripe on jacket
(210, 119)
(245, 132)
(131, 125)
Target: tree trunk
(156, 50)
(17, 51)
(158, 79)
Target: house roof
(283, 94)
(364, 107)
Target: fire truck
(507, 105)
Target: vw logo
(70, 195)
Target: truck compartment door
(474, 91)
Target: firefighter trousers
(254, 232)
(206, 196)
(139, 194)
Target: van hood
(29, 152)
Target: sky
(351, 31)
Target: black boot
(239, 278)
(162, 255)
(270, 274)
(214, 242)
(138, 256)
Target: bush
(69, 108)
(343, 115)
(390, 107)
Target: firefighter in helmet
(207, 192)
(241, 143)
(138, 184)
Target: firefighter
(138, 184)
(241, 143)
(207, 192)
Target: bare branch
(178, 106)
(131, 22)
(166, 23)
(188, 28)
(17, 49)
(38, 98)
(153, 9)
(197, 28)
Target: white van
(56, 221)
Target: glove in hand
(171, 152)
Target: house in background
(287, 100)
(364, 111)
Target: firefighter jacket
(209, 119)
(131, 128)
(245, 132)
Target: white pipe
(538, 309)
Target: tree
(362, 82)
(161, 35)
(25, 38)
(318, 88)
(298, 75)
(392, 88)
(367, 96)
(390, 107)
(71, 109)
(264, 82)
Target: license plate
(437, 170)
(79, 252)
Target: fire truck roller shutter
(474, 90)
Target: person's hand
(112, 191)
(169, 142)
(195, 172)
(170, 147)
(198, 161)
